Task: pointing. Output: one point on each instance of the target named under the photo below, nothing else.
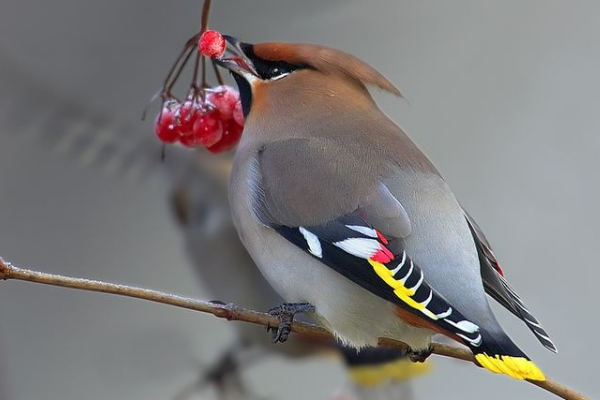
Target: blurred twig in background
(233, 313)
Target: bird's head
(260, 67)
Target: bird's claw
(285, 313)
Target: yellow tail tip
(399, 370)
(515, 367)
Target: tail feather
(532, 323)
(500, 355)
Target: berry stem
(205, 15)
(218, 73)
(184, 55)
(183, 58)
(203, 27)
(186, 59)
(195, 77)
(204, 80)
(168, 83)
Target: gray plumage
(325, 163)
(317, 151)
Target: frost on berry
(211, 44)
(238, 114)
(208, 128)
(186, 115)
(190, 141)
(224, 98)
(164, 127)
(232, 133)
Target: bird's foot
(285, 313)
(420, 355)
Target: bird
(350, 222)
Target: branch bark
(233, 313)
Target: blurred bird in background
(202, 209)
(200, 206)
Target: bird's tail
(499, 354)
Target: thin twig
(233, 313)
(203, 27)
(205, 16)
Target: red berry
(224, 99)
(208, 129)
(211, 44)
(238, 114)
(187, 114)
(190, 141)
(232, 133)
(164, 127)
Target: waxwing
(348, 220)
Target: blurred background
(503, 97)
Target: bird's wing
(356, 249)
(497, 287)
(359, 231)
(329, 199)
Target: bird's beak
(236, 60)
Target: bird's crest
(326, 60)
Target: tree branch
(233, 313)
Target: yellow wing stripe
(515, 367)
(400, 290)
(385, 274)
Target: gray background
(503, 98)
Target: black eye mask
(267, 69)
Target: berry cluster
(211, 117)
(214, 121)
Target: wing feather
(364, 258)
(498, 288)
